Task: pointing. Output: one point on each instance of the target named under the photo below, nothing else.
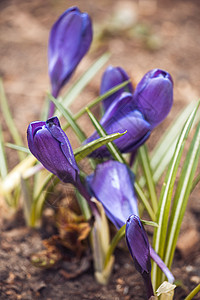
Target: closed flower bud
(138, 244)
(112, 184)
(139, 248)
(121, 117)
(112, 77)
(50, 145)
(153, 96)
(69, 40)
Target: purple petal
(50, 145)
(112, 77)
(138, 131)
(154, 96)
(138, 244)
(112, 184)
(69, 40)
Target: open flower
(112, 184)
(121, 117)
(138, 245)
(112, 77)
(153, 96)
(69, 40)
(50, 145)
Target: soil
(140, 35)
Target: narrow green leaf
(144, 159)
(118, 236)
(85, 79)
(181, 196)
(114, 151)
(83, 204)
(193, 293)
(150, 223)
(3, 162)
(18, 148)
(98, 100)
(144, 200)
(166, 194)
(9, 120)
(163, 152)
(195, 182)
(170, 137)
(69, 118)
(85, 150)
(27, 200)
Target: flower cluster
(136, 111)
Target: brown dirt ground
(164, 34)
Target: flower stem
(161, 265)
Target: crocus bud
(138, 246)
(153, 96)
(112, 184)
(69, 40)
(121, 117)
(112, 77)
(50, 145)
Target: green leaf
(27, 199)
(144, 201)
(193, 293)
(145, 162)
(84, 80)
(83, 204)
(3, 162)
(150, 223)
(18, 148)
(9, 120)
(118, 236)
(114, 151)
(163, 152)
(181, 196)
(70, 119)
(85, 150)
(98, 100)
(166, 194)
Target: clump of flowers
(112, 190)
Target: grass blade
(170, 137)
(3, 162)
(13, 178)
(84, 80)
(145, 163)
(85, 150)
(18, 148)
(114, 151)
(98, 100)
(70, 119)
(166, 194)
(181, 196)
(9, 120)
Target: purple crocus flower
(153, 96)
(112, 77)
(69, 40)
(121, 117)
(138, 245)
(112, 184)
(50, 145)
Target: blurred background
(139, 34)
